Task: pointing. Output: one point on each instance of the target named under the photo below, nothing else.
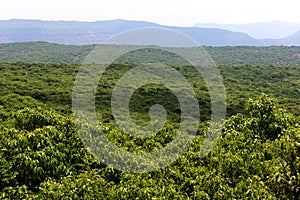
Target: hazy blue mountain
(72, 32)
(263, 30)
(64, 32)
(292, 40)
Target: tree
(267, 120)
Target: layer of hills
(33, 52)
(260, 30)
(79, 33)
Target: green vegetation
(53, 83)
(256, 157)
(33, 52)
(47, 83)
(257, 56)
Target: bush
(267, 120)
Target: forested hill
(56, 53)
(43, 52)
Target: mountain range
(80, 33)
(261, 30)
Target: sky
(166, 12)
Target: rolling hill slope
(33, 52)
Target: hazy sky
(167, 12)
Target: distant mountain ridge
(261, 30)
(79, 33)
(85, 33)
(293, 39)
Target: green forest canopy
(33, 52)
(256, 157)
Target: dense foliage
(33, 52)
(43, 157)
(256, 157)
(243, 55)
(53, 83)
(56, 53)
